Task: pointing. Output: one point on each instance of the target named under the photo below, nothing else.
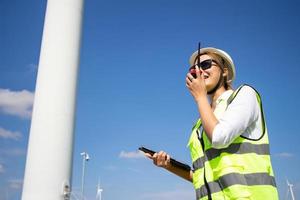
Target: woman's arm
(162, 159)
(208, 118)
(241, 114)
(198, 90)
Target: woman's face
(211, 75)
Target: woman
(229, 143)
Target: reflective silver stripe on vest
(199, 163)
(236, 179)
(235, 148)
(202, 191)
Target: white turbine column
(85, 157)
(290, 188)
(99, 191)
(50, 148)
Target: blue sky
(131, 89)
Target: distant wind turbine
(99, 191)
(290, 189)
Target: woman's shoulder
(245, 94)
(246, 90)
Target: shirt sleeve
(240, 114)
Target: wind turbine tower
(290, 188)
(99, 192)
(50, 147)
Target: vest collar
(224, 96)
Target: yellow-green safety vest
(241, 171)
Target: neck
(214, 96)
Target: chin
(209, 85)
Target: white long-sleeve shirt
(242, 117)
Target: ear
(225, 72)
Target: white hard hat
(223, 54)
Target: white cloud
(6, 134)
(111, 168)
(17, 152)
(32, 67)
(2, 170)
(13, 152)
(135, 170)
(18, 103)
(284, 155)
(15, 183)
(131, 154)
(170, 195)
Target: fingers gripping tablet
(173, 161)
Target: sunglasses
(204, 65)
